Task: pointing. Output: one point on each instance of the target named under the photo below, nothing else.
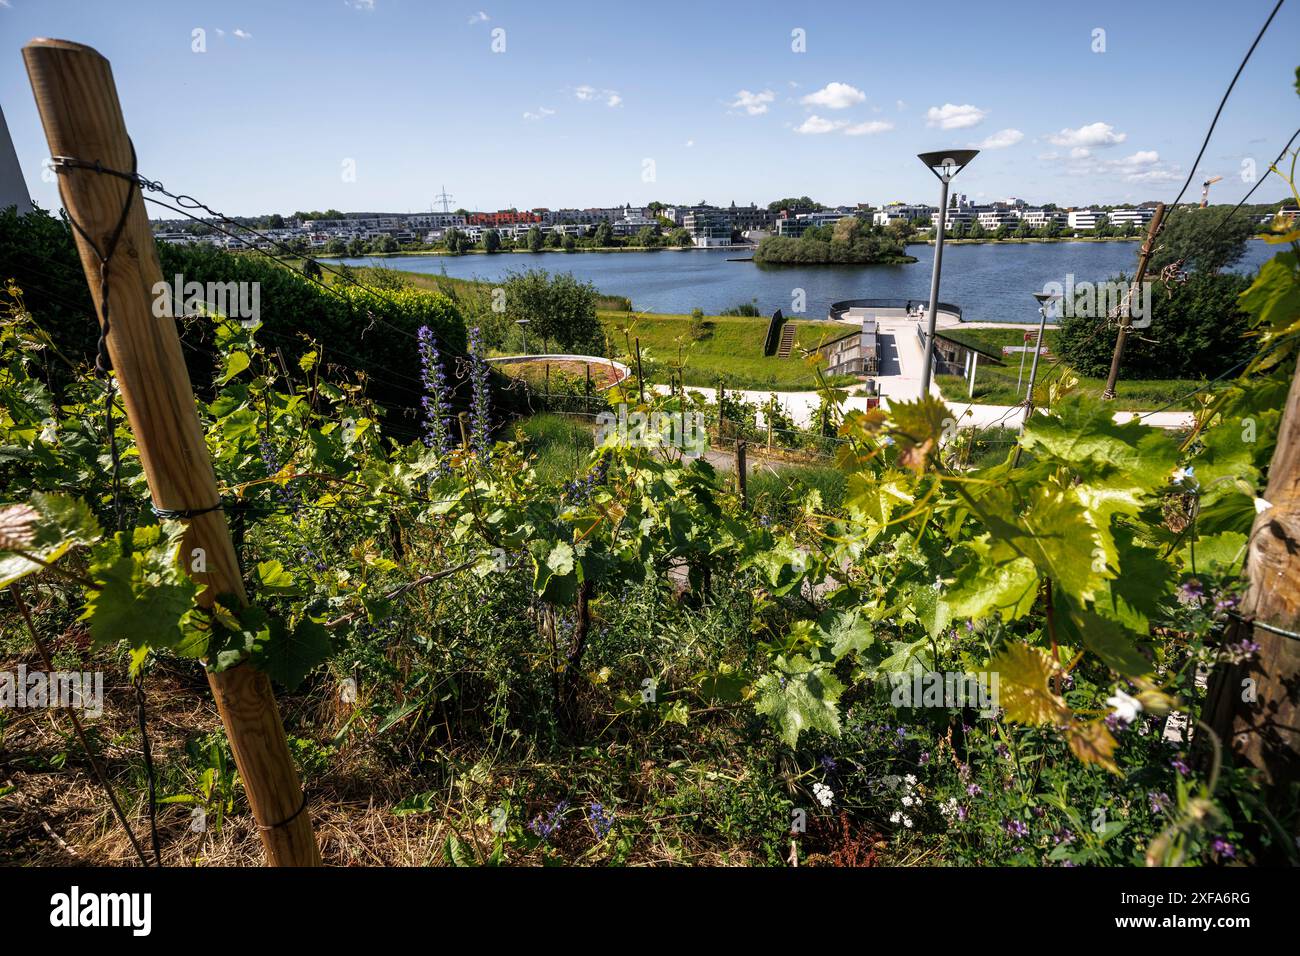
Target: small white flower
(911, 779)
(824, 794)
(1126, 708)
(907, 822)
(896, 816)
(908, 801)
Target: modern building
(709, 229)
(894, 212)
(1086, 220)
(13, 188)
(1039, 218)
(1139, 216)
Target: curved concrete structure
(622, 370)
(855, 311)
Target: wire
(1191, 174)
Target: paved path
(901, 361)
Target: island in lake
(850, 241)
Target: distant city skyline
(377, 105)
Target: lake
(992, 282)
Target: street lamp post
(1044, 300)
(945, 164)
(523, 331)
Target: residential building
(708, 228)
(1086, 220)
(1138, 217)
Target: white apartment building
(1085, 219)
(954, 217)
(1038, 218)
(1139, 217)
(993, 219)
(902, 212)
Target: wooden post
(79, 109)
(741, 475)
(1135, 289)
(1255, 706)
(462, 419)
(640, 381)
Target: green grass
(776, 493)
(996, 385)
(730, 347)
(562, 445)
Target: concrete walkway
(901, 361)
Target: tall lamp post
(1045, 299)
(523, 331)
(945, 164)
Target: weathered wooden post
(82, 117)
(1135, 290)
(742, 475)
(1255, 706)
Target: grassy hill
(727, 346)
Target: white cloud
(1143, 157)
(366, 5)
(816, 124)
(1094, 134)
(243, 35)
(900, 104)
(479, 17)
(1002, 139)
(689, 143)
(589, 94)
(1155, 177)
(542, 113)
(951, 116)
(869, 128)
(755, 104)
(835, 96)
(1080, 153)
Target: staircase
(787, 341)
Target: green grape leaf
(46, 527)
(983, 586)
(143, 595)
(289, 656)
(799, 695)
(1107, 638)
(846, 631)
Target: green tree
(679, 238)
(491, 241)
(648, 236)
(1197, 329)
(356, 246)
(1200, 239)
(535, 240)
(570, 243)
(604, 234)
(559, 308)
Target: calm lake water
(991, 282)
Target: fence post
(82, 117)
(741, 475)
(640, 382)
(1255, 706)
(1126, 315)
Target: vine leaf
(46, 527)
(800, 695)
(1023, 675)
(143, 595)
(289, 656)
(1093, 742)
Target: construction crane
(1205, 189)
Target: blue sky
(588, 100)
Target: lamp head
(947, 163)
